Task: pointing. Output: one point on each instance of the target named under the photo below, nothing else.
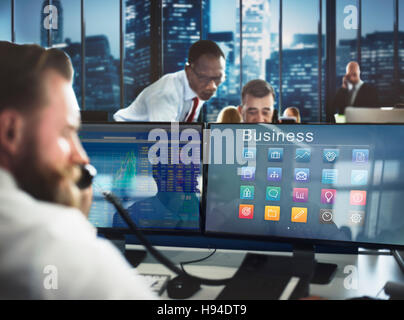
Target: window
(29, 25)
(181, 28)
(401, 50)
(102, 55)
(137, 73)
(347, 33)
(300, 58)
(377, 48)
(134, 43)
(67, 37)
(222, 18)
(5, 21)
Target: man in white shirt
(179, 97)
(48, 248)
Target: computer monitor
(307, 184)
(374, 115)
(154, 168)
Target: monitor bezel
(119, 232)
(293, 241)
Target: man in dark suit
(354, 92)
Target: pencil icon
(299, 215)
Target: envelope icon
(302, 175)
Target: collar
(189, 94)
(7, 181)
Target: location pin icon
(328, 196)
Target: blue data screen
(159, 195)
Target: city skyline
(182, 26)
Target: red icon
(358, 198)
(246, 211)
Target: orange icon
(299, 215)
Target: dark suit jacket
(366, 97)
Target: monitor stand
(134, 257)
(323, 272)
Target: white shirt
(49, 251)
(170, 99)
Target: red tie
(193, 111)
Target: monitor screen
(153, 168)
(321, 183)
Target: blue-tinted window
(181, 28)
(29, 21)
(401, 51)
(102, 55)
(68, 38)
(5, 20)
(347, 16)
(377, 48)
(221, 20)
(300, 58)
(137, 73)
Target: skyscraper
(51, 22)
(137, 74)
(255, 38)
(181, 28)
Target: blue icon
(274, 174)
(302, 175)
(330, 176)
(330, 155)
(303, 155)
(248, 173)
(247, 192)
(249, 153)
(273, 193)
(360, 156)
(275, 154)
(359, 177)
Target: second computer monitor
(155, 169)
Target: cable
(110, 197)
(196, 261)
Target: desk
(357, 275)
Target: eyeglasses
(206, 80)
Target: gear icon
(356, 218)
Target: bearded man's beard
(46, 183)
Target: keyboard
(157, 282)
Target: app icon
(302, 175)
(249, 153)
(326, 216)
(248, 173)
(274, 174)
(356, 218)
(358, 198)
(299, 215)
(303, 155)
(273, 194)
(360, 156)
(272, 213)
(246, 211)
(329, 176)
(328, 196)
(300, 195)
(359, 177)
(330, 155)
(247, 192)
(275, 154)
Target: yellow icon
(299, 215)
(272, 213)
